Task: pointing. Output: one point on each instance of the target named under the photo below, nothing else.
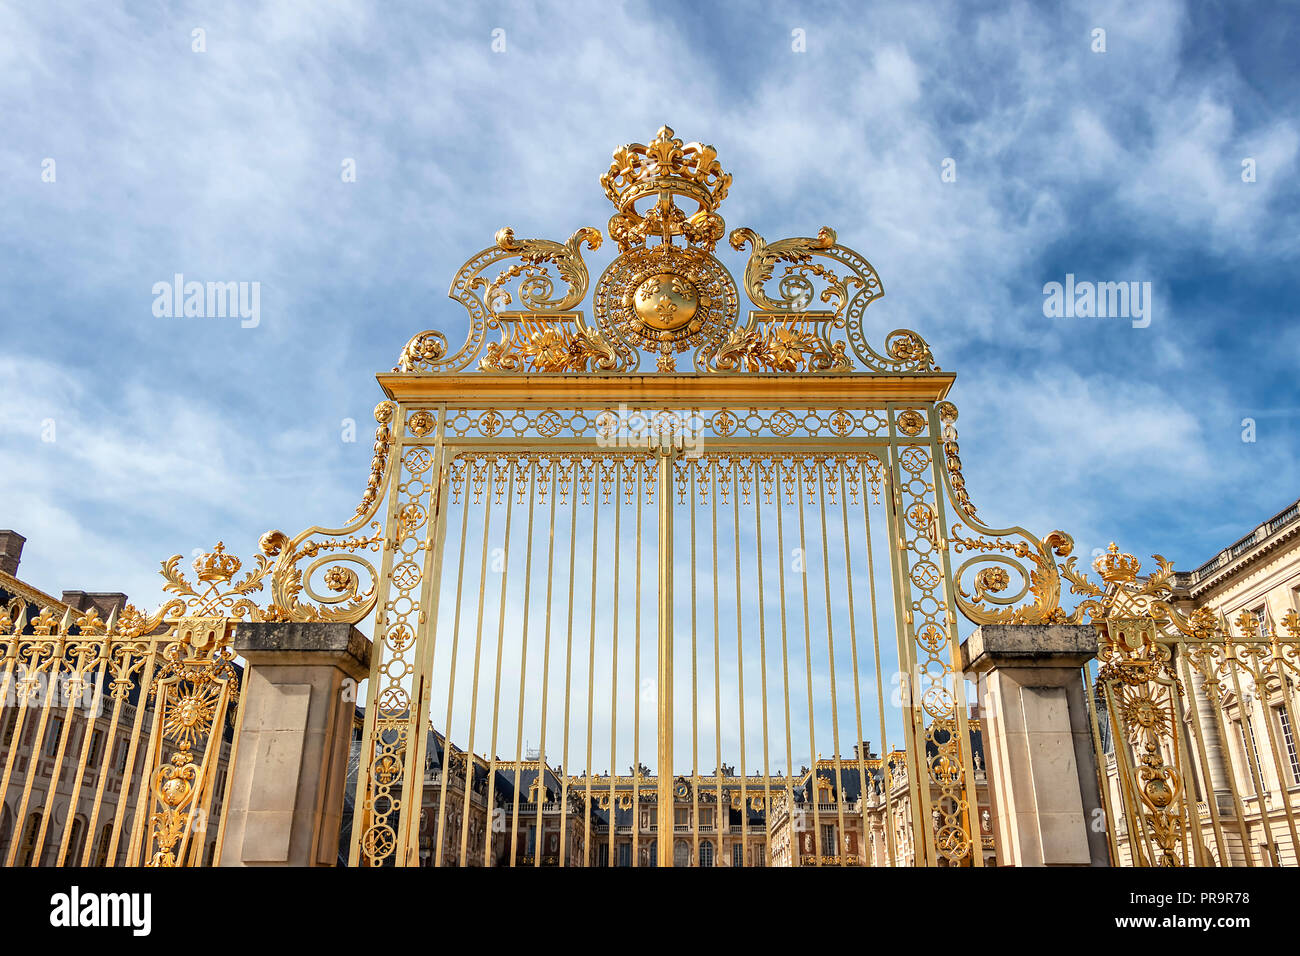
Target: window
(105, 837)
(828, 838)
(121, 755)
(706, 854)
(1261, 618)
(1288, 737)
(74, 842)
(681, 854)
(95, 742)
(760, 854)
(602, 855)
(52, 739)
(682, 816)
(29, 839)
(706, 816)
(625, 854)
(737, 854)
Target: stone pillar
(1039, 755)
(290, 768)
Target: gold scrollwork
(524, 340)
(790, 307)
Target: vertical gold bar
(665, 657)
(220, 842)
(762, 660)
(841, 842)
(807, 656)
(591, 660)
(740, 661)
(717, 677)
(695, 692)
(23, 694)
(795, 829)
(110, 740)
(1124, 766)
(613, 668)
(512, 476)
(1261, 794)
(10, 644)
(568, 668)
(65, 733)
(529, 484)
(636, 689)
(1183, 761)
(84, 755)
(55, 665)
(152, 754)
(462, 858)
(440, 833)
(1221, 731)
(891, 839)
(1276, 754)
(538, 826)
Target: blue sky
(225, 165)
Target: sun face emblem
(190, 715)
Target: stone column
(286, 795)
(1039, 755)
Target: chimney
(11, 551)
(102, 601)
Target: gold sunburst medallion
(665, 299)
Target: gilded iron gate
(725, 579)
(586, 568)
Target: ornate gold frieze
(665, 292)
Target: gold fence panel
(1187, 777)
(116, 736)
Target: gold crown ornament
(216, 565)
(656, 175)
(1116, 568)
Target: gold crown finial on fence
(1115, 567)
(667, 170)
(216, 565)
